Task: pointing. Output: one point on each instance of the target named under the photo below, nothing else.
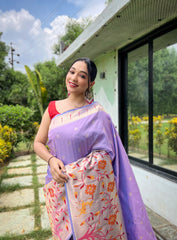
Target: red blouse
(52, 109)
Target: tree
(164, 84)
(138, 87)
(5, 82)
(39, 90)
(73, 30)
(13, 84)
(19, 89)
(3, 54)
(53, 79)
(108, 2)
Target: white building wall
(106, 89)
(158, 193)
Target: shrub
(134, 132)
(5, 150)
(16, 117)
(8, 139)
(158, 134)
(171, 134)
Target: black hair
(91, 67)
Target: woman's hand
(57, 170)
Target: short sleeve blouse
(52, 109)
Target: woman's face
(77, 78)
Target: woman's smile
(73, 85)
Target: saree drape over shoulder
(101, 199)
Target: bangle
(50, 159)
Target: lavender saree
(101, 199)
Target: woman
(90, 190)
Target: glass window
(138, 103)
(148, 101)
(165, 101)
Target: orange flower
(51, 191)
(110, 186)
(90, 189)
(112, 219)
(102, 164)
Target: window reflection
(165, 101)
(138, 103)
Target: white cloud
(33, 43)
(30, 40)
(91, 8)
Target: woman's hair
(91, 67)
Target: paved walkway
(22, 212)
(22, 206)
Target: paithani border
(75, 114)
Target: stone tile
(41, 178)
(22, 158)
(155, 219)
(17, 198)
(168, 232)
(16, 222)
(22, 181)
(41, 195)
(42, 169)
(44, 218)
(19, 164)
(26, 170)
(40, 161)
(163, 227)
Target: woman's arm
(56, 165)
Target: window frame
(123, 96)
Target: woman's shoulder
(52, 108)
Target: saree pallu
(101, 200)
(89, 199)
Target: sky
(34, 26)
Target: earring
(89, 95)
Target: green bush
(16, 117)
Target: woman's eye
(72, 72)
(83, 76)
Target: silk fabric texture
(101, 199)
